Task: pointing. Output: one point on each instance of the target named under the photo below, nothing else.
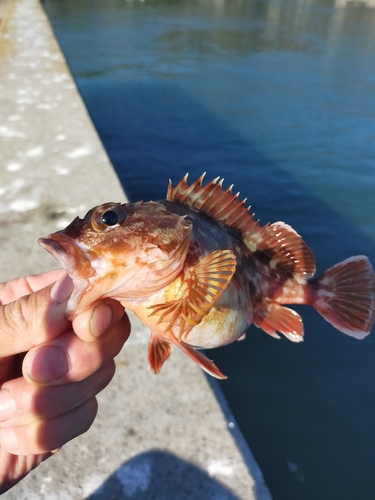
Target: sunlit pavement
(169, 436)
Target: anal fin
(275, 318)
(158, 352)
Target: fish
(197, 269)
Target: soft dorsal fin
(285, 247)
(213, 200)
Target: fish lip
(61, 247)
(71, 257)
(76, 264)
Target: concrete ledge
(161, 437)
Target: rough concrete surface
(155, 437)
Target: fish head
(124, 251)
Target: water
(278, 98)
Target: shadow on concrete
(157, 475)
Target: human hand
(50, 368)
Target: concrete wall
(169, 436)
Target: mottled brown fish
(197, 269)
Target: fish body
(229, 317)
(197, 269)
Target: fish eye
(107, 217)
(110, 218)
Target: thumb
(35, 318)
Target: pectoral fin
(205, 282)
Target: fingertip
(62, 289)
(33, 318)
(101, 319)
(46, 364)
(98, 319)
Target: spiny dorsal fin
(278, 241)
(213, 200)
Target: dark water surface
(278, 97)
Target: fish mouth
(75, 263)
(61, 247)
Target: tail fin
(345, 296)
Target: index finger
(18, 287)
(31, 320)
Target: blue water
(278, 97)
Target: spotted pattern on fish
(198, 269)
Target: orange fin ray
(158, 352)
(205, 284)
(282, 319)
(278, 241)
(285, 247)
(200, 359)
(214, 201)
(345, 296)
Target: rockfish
(198, 269)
